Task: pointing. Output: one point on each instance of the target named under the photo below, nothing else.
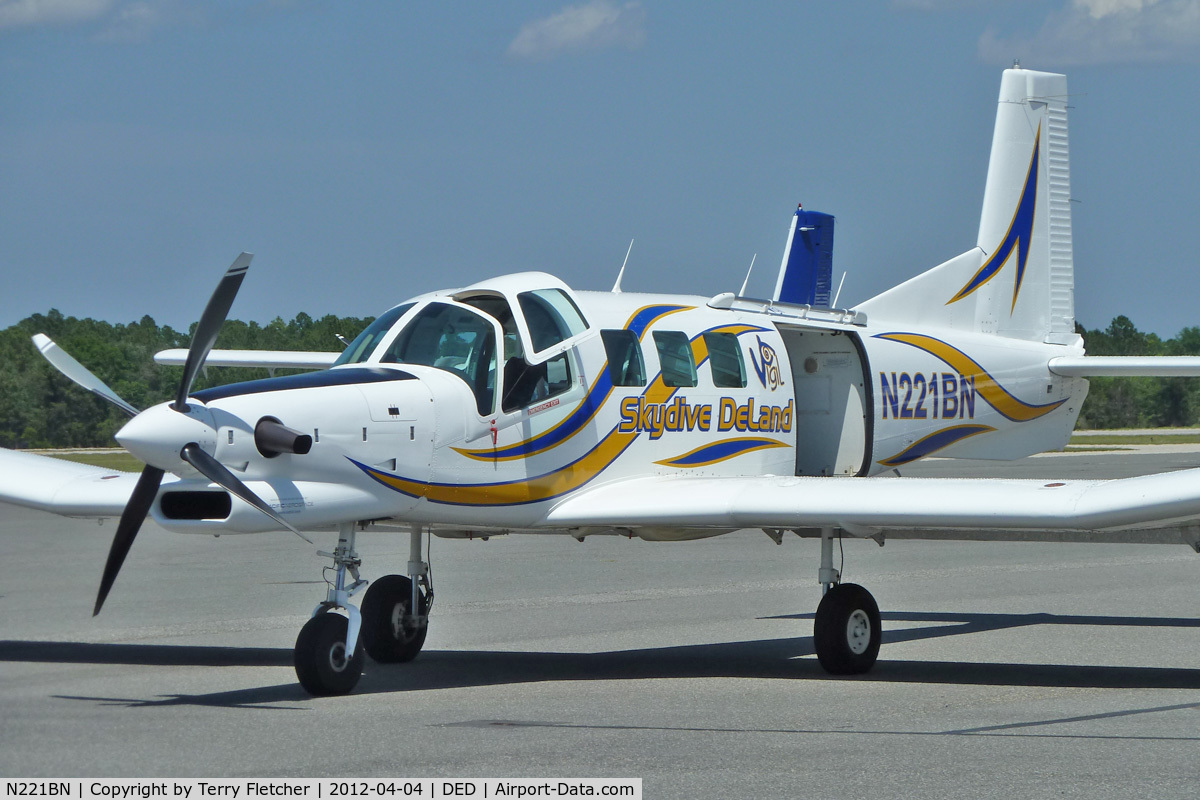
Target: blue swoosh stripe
(720, 451)
(934, 442)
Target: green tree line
(41, 408)
(1140, 402)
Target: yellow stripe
(987, 386)
(488, 455)
(543, 487)
(700, 354)
(656, 318)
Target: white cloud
(1103, 8)
(1102, 32)
(20, 13)
(132, 22)
(126, 21)
(597, 25)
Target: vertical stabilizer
(1018, 281)
(806, 273)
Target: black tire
(385, 637)
(846, 630)
(320, 656)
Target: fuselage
(483, 407)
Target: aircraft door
(834, 411)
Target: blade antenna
(838, 293)
(742, 291)
(617, 286)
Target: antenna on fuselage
(838, 293)
(742, 291)
(617, 286)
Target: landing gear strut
(392, 631)
(327, 657)
(846, 629)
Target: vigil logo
(767, 369)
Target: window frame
(611, 337)
(735, 352)
(568, 330)
(681, 341)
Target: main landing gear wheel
(846, 630)
(320, 656)
(390, 632)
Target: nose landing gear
(327, 657)
(329, 654)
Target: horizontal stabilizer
(265, 359)
(1126, 366)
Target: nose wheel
(323, 664)
(327, 656)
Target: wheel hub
(398, 621)
(337, 657)
(858, 632)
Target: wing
(63, 487)
(940, 508)
(268, 359)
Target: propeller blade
(216, 472)
(210, 325)
(62, 361)
(127, 529)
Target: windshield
(364, 344)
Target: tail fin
(806, 274)
(1018, 281)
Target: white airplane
(517, 405)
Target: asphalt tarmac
(1007, 670)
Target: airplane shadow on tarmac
(779, 659)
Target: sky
(370, 151)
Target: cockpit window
(364, 344)
(496, 306)
(454, 339)
(552, 317)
